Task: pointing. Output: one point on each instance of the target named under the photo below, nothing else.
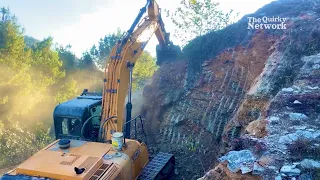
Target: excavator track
(160, 167)
(21, 177)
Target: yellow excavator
(93, 131)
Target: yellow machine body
(99, 160)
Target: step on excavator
(93, 131)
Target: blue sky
(82, 23)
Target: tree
(5, 12)
(34, 77)
(46, 60)
(87, 61)
(68, 58)
(6, 15)
(30, 41)
(143, 70)
(197, 17)
(101, 53)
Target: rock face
(258, 92)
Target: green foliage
(31, 77)
(201, 21)
(67, 91)
(101, 53)
(30, 41)
(69, 60)
(86, 62)
(46, 60)
(192, 144)
(197, 17)
(6, 15)
(26, 74)
(17, 144)
(143, 70)
(88, 79)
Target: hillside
(254, 99)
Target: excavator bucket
(167, 53)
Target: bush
(300, 148)
(16, 144)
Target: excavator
(93, 130)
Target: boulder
(290, 170)
(221, 172)
(257, 128)
(310, 164)
(278, 177)
(239, 160)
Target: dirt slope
(201, 114)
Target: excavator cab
(70, 117)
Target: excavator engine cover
(168, 53)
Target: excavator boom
(89, 128)
(118, 72)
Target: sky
(81, 23)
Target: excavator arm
(118, 72)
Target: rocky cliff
(246, 100)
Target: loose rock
(288, 89)
(310, 164)
(239, 160)
(297, 116)
(297, 102)
(290, 170)
(257, 169)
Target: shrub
(300, 148)
(17, 144)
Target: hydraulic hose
(84, 125)
(101, 130)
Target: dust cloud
(24, 97)
(28, 96)
(138, 100)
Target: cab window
(71, 126)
